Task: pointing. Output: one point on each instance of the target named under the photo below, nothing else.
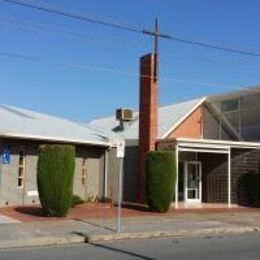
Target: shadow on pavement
(122, 251)
(95, 224)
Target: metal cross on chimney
(156, 33)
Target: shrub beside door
(160, 179)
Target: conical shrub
(160, 180)
(55, 172)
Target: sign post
(120, 156)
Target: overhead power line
(135, 29)
(66, 13)
(12, 21)
(125, 73)
(213, 46)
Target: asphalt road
(230, 247)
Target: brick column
(148, 117)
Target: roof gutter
(55, 139)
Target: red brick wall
(191, 127)
(148, 118)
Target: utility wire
(19, 23)
(125, 73)
(75, 16)
(58, 31)
(213, 46)
(135, 29)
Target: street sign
(120, 153)
(120, 149)
(6, 157)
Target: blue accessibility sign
(6, 157)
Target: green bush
(76, 200)
(160, 180)
(55, 172)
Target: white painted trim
(185, 169)
(177, 177)
(183, 118)
(229, 178)
(202, 151)
(200, 176)
(217, 143)
(106, 174)
(53, 139)
(201, 145)
(186, 182)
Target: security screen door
(193, 181)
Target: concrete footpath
(92, 230)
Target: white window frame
(21, 167)
(186, 181)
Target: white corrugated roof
(21, 123)
(169, 117)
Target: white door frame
(186, 163)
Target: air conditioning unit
(124, 114)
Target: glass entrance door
(193, 181)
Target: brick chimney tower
(148, 117)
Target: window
(229, 105)
(21, 170)
(84, 171)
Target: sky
(74, 70)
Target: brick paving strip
(82, 225)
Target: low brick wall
(214, 177)
(245, 183)
(245, 177)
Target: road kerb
(68, 239)
(168, 234)
(42, 241)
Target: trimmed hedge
(55, 172)
(160, 180)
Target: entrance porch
(215, 174)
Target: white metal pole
(185, 172)
(177, 176)
(119, 195)
(105, 175)
(229, 178)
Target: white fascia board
(203, 151)
(202, 145)
(218, 143)
(54, 138)
(183, 118)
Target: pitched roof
(169, 118)
(21, 123)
